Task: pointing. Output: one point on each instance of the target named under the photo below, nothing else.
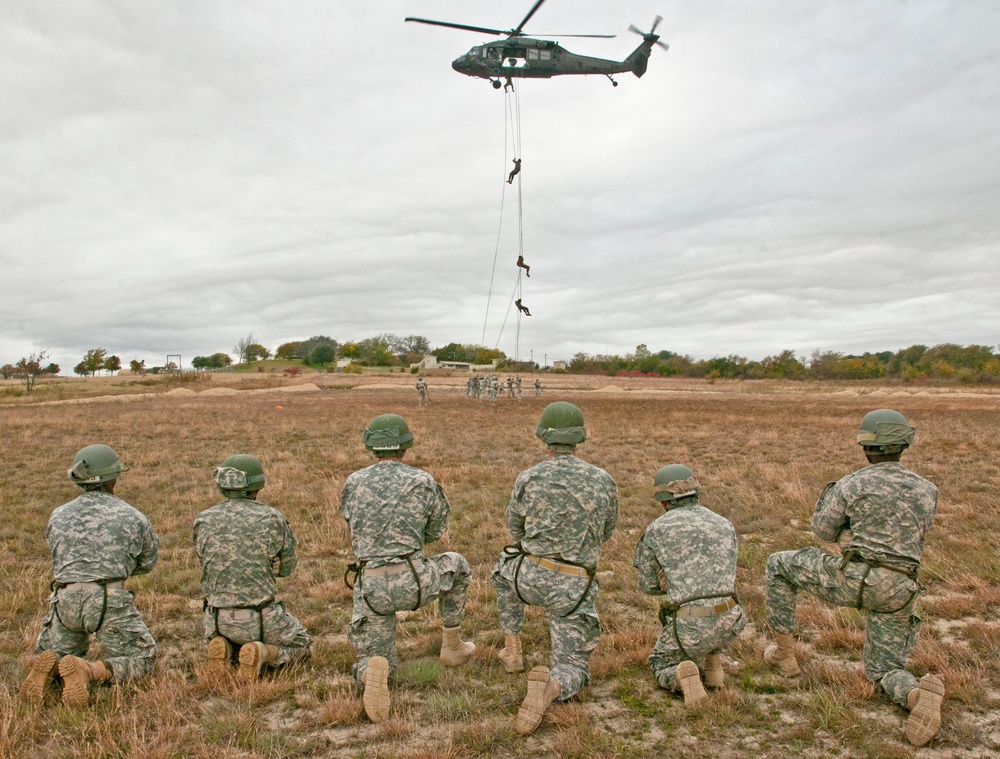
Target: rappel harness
(102, 584)
(853, 556)
(562, 566)
(670, 612)
(358, 570)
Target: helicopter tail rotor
(651, 36)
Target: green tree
(94, 360)
(322, 355)
(137, 367)
(308, 346)
(256, 352)
(112, 364)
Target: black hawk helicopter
(521, 57)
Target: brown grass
(762, 451)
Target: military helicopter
(521, 57)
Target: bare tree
(243, 346)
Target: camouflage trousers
(279, 628)
(888, 599)
(76, 614)
(443, 578)
(698, 636)
(573, 633)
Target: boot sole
(925, 719)
(529, 716)
(40, 676)
(76, 678)
(219, 651)
(689, 680)
(251, 660)
(376, 697)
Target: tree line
(947, 361)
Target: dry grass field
(763, 452)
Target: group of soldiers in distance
(489, 386)
(560, 513)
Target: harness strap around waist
(564, 567)
(670, 612)
(235, 615)
(114, 584)
(852, 556)
(359, 570)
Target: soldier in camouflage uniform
(561, 511)
(97, 542)
(421, 391)
(393, 510)
(880, 515)
(689, 555)
(242, 545)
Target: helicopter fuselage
(528, 58)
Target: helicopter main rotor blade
(591, 36)
(483, 29)
(525, 19)
(656, 23)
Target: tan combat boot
(925, 710)
(454, 650)
(689, 680)
(781, 655)
(542, 691)
(220, 653)
(253, 656)
(376, 695)
(715, 675)
(43, 670)
(511, 655)
(77, 674)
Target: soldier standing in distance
(560, 513)
(538, 388)
(880, 515)
(97, 542)
(242, 545)
(392, 510)
(421, 391)
(689, 555)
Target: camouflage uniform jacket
(242, 545)
(99, 537)
(563, 508)
(696, 550)
(392, 509)
(887, 507)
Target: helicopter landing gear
(495, 83)
(611, 80)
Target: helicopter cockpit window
(546, 55)
(532, 54)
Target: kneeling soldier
(392, 510)
(242, 545)
(97, 541)
(880, 515)
(689, 555)
(561, 511)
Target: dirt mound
(380, 387)
(181, 391)
(610, 389)
(220, 391)
(308, 387)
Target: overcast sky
(788, 175)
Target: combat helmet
(674, 483)
(388, 435)
(95, 465)
(885, 431)
(561, 426)
(239, 475)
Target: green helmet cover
(239, 475)
(886, 431)
(561, 426)
(674, 482)
(95, 465)
(387, 434)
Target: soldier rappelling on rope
(523, 265)
(523, 309)
(515, 171)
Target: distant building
(560, 365)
